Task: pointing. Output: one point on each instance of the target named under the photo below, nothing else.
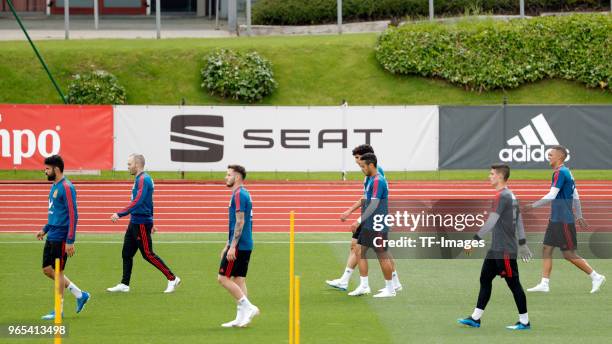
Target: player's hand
(583, 224)
(153, 230)
(70, 249)
(525, 253)
(40, 235)
(114, 217)
(354, 226)
(345, 215)
(231, 254)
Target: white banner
(263, 138)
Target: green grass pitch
(436, 293)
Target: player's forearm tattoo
(238, 228)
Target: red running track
(202, 207)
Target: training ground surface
(436, 292)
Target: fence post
(67, 19)
(232, 16)
(339, 16)
(96, 14)
(158, 18)
(522, 6)
(431, 10)
(217, 9)
(248, 17)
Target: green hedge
(305, 12)
(96, 87)
(491, 55)
(237, 75)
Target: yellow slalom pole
(297, 310)
(291, 277)
(58, 301)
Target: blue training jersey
(241, 201)
(367, 179)
(375, 187)
(561, 209)
(63, 215)
(141, 206)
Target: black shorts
(236, 268)
(53, 250)
(499, 263)
(368, 238)
(562, 235)
(357, 231)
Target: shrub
(97, 87)
(307, 12)
(488, 55)
(242, 76)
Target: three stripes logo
(530, 144)
(187, 130)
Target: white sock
(524, 319)
(395, 278)
(594, 275)
(75, 290)
(389, 286)
(244, 302)
(545, 280)
(477, 314)
(346, 276)
(364, 281)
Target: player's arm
(142, 187)
(73, 216)
(231, 253)
(489, 224)
(370, 209)
(350, 210)
(549, 197)
(578, 210)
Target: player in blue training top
(60, 230)
(375, 204)
(138, 234)
(561, 230)
(354, 253)
(236, 254)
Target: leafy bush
(97, 87)
(306, 12)
(243, 76)
(490, 55)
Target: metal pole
(67, 19)
(522, 6)
(148, 12)
(217, 9)
(431, 9)
(232, 14)
(42, 62)
(158, 18)
(96, 14)
(248, 17)
(210, 9)
(339, 16)
(48, 9)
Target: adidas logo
(531, 143)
